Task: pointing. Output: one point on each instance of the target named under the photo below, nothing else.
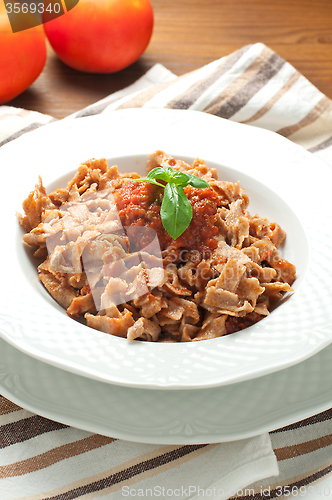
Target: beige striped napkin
(41, 459)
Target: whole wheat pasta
(107, 258)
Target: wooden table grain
(190, 33)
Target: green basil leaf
(197, 182)
(158, 173)
(169, 170)
(151, 181)
(180, 178)
(176, 212)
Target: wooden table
(190, 33)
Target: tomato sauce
(139, 204)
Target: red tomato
(101, 36)
(22, 56)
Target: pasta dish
(109, 256)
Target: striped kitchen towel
(253, 85)
(45, 460)
(41, 459)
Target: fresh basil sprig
(176, 212)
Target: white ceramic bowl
(285, 184)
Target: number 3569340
(34, 8)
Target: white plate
(168, 417)
(284, 182)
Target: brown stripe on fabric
(281, 92)
(7, 115)
(187, 99)
(235, 103)
(299, 477)
(95, 110)
(29, 128)
(22, 114)
(143, 97)
(7, 406)
(149, 473)
(135, 457)
(257, 491)
(25, 112)
(54, 456)
(310, 118)
(283, 490)
(303, 448)
(315, 133)
(239, 82)
(27, 428)
(323, 145)
(128, 473)
(320, 417)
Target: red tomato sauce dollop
(139, 203)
